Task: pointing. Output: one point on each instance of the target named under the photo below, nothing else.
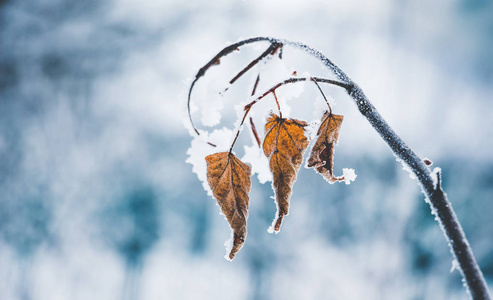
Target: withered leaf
(322, 153)
(284, 145)
(229, 180)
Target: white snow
(200, 148)
(211, 109)
(455, 265)
(274, 72)
(312, 128)
(271, 227)
(259, 162)
(210, 101)
(349, 175)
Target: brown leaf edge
(284, 144)
(229, 180)
(322, 153)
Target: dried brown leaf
(322, 153)
(229, 180)
(284, 145)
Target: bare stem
(255, 134)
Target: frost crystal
(406, 167)
(455, 265)
(349, 175)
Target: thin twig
(255, 134)
(256, 84)
(271, 50)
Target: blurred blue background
(97, 202)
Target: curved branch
(300, 79)
(438, 201)
(215, 61)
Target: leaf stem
(277, 102)
(322, 92)
(247, 110)
(255, 85)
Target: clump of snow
(259, 162)
(240, 113)
(211, 103)
(349, 175)
(312, 129)
(455, 264)
(274, 72)
(434, 175)
(201, 147)
(211, 115)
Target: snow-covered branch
(428, 180)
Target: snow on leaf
(229, 180)
(284, 145)
(322, 153)
(203, 145)
(349, 175)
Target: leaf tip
(276, 223)
(233, 245)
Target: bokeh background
(97, 202)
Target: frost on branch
(323, 160)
